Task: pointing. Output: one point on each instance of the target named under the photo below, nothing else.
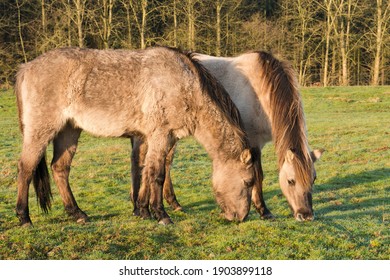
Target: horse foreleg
(139, 149)
(257, 196)
(169, 193)
(65, 145)
(153, 176)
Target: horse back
(107, 93)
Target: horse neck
(221, 139)
(277, 90)
(219, 127)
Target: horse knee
(58, 167)
(154, 174)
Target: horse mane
(286, 114)
(219, 96)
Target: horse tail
(41, 180)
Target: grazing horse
(265, 91)
(159, 95)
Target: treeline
(330, 42)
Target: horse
(266, 92)
(159, 95)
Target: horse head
(233, 181)
(297, 183)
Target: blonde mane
(287, 116)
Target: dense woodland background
(329, 42)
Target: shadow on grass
(351, 180)
(359, 201)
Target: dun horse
(265, 90)
(159, 95)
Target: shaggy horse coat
(265, 90)
(159, 95)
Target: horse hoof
(136, 213)
(25, 222)
(165, 221)
(81, 217)
(26, 225)
(144, 214)
(82, 220)
(267, 216)
(178, 209)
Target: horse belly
(106, 123)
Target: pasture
(351, 196)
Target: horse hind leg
(169, 193)
(32, 167)
(32, 157)
(65, 145)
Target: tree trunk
(20, 32)
(107, 22)
(43, 14)
(128, 24)
(69, 23)
(327, 43)
(378, 45)
(144, 4)
(191, 25)
(218, 28)
(174, 23)
(80, 6)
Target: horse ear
(316, 154)
(246, 157)
(289, 156)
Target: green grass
(351, 197)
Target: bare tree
(19, 5)
(126, 4)
(382, 20)
(105, 26)
(191, 18)
(140, 7)
(79, 20)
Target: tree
(102, 17)
(19, 5)
(381, 25)
(337, 42)
(79, 20)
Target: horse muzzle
(235, 216)
(302, 216)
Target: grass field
(351, 197)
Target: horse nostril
(310, 217)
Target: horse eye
(291, 182)
(249, 183)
